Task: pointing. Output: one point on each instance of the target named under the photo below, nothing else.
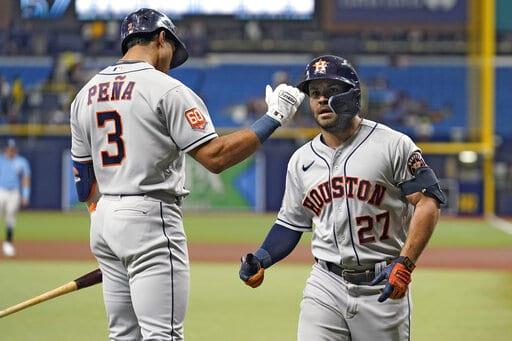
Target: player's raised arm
(225, 151)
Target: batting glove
(346, 103)
(251, 271)
(283, 102)
(398, 274)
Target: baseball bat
(91, 278)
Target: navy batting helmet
(147, 20)
(329, 67)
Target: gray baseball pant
(333, 309)
(141, 249)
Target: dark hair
(146, 38)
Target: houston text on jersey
(362, 189)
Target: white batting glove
(283, 102)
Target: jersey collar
(320, 146)
(121, 62)
(126, 66)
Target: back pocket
(135, 210)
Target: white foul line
(501, 224)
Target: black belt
(352, 276)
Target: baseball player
(373, 202)
(14, 189)
(131, 127)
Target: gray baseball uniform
(135, 124)
(360, 218)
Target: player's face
(319, 92)
(10, 152)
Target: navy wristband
(264, 127)
(264, 257)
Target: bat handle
(91, 278)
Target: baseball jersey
(135, 124)
(350, 195)
(12, 171)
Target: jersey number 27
(114, 137)
(367, 224)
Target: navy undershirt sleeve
(279, 243)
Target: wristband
(407, 262)
(25, 192)
(264, 257)
(264, 127)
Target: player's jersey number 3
(114, 136)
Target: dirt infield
(461, 258)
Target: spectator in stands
(19, 37)
(14, 189)
(246, 113)
(75, 74)
(197, 39)
(17, 99)
(59, 115)
(399, 109)
(5, 94)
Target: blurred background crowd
(412, 57)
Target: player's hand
(283, 102)
(398, 274)
(346, 103)
(24, 202)
(251, 271)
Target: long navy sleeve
(279, 243)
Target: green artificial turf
(243, 228)
(448, 304)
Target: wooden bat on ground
(91, 278)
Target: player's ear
(161, 38)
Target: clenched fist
(251, 271)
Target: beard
(339, 124)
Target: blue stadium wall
(437, 83)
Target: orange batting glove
(398, 274)
(251, 271)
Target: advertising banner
(429, 14)
(240, 187)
